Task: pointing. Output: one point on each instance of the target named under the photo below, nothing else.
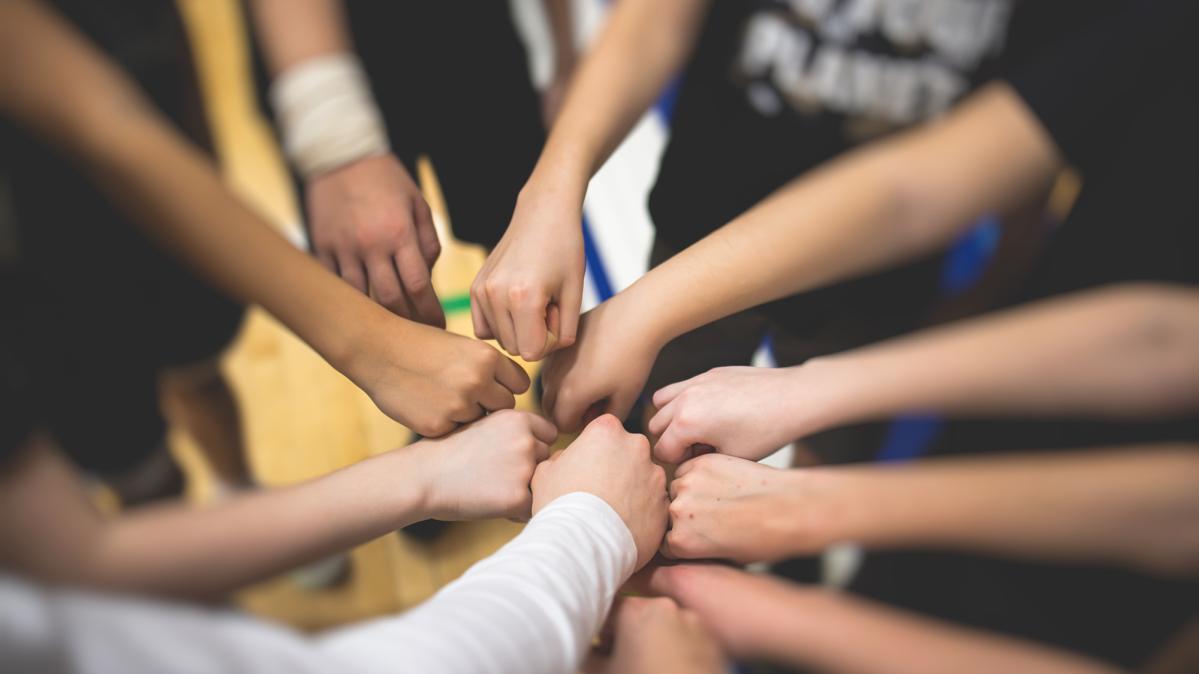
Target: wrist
(392, 487)
(819, 508)
(633, 309)
(827, 390)
(355, 351)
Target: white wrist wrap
(327, 115)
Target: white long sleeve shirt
(532, 607)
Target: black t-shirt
(16, 409)
(1115, 89)
(777, 88)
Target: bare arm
(370, 223)
(50, 530)
(1126, 352)
(1134, 506)
(561, 22)
(294, 31)
(879, 206)
(53, 532)
(424, 378)
(756, 616)
(529, 291)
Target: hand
(655, 636)
(428, 379)
(738, 608)
(372, 227)
(483, 470)
(615, 466)
(749, 412)
(722, 507)
(528, 293)
(603, 372)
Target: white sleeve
(532, 607)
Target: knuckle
(415, 281)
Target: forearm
(168, 188)
(833, 633)
(53, 532)
(879, 206)
(1136, 506)
(643, 45)
(206, 552)
(561, 22)
(1124, 352)
(294, 31)
(532, 607)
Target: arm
(425, 378)
(529, 290)
(600, 509)
(760, 617)
(531, 607)
(883, 204)
(1136, 506)
(1126, 352)
(51, 530)
(561, 21)
(369, 222)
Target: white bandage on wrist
(327, 115)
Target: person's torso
(776, 88)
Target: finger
(553, 322)
(661, 420)
(543, 429)
(496, 398)
(529, 313)
(351, 271)
(668, 393)
(685, 467)
(673, 445)
(418, 286)
(478, 315)
(621, 403)
(567, 412)
(549, 395)
(385, 286)
(501, 320)
(512, 376)
(569, 302)
(666, 552)
(327, 261)
(541, 451)
(471, 413)
(426, 232)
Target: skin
(877, 206)
(528, 292)
(51, 531)
(1137, 359)
(370, 223)
(763, 618)
(1133, 506)
(615, 465)
(428, 379)
(654, 636)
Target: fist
(484, 470)
(655, 636)
(742, 411)
(723, 507)
(615, 465)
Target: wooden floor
(303, 419)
